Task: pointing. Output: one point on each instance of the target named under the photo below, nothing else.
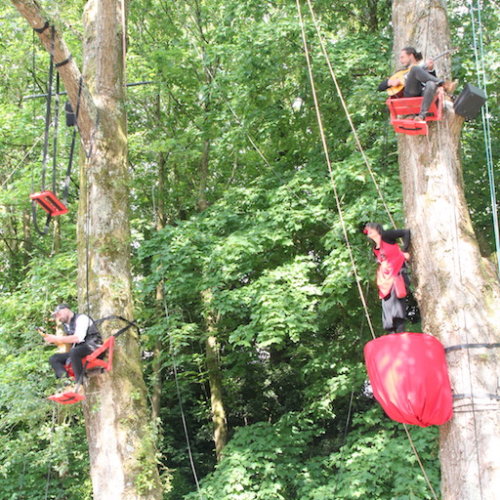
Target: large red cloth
(409, 377)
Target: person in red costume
(392, 280)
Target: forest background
(235, 235)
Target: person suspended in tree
(416, 80)
(392, 278)
(82, 332)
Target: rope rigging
(347, 113)
(181, 407)
(478, 47)
(47, 199)
(330, 170)
(340, 213)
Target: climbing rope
(330, 170)
(183, 416)
(347, 113)
(339, 209)
(477, 34)
(23, 161)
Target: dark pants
(75, 355)
(420, 82)
(393, 313)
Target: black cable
(48, 111)
(73, 143)
(46, 140)
(56, 130)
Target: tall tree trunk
(212, 349)
(121, 440)
(457, 289)
(203, 176)
(121, 444)
(160, 294)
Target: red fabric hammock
(409, 377)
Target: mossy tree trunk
(212, 353)
(121, 440)
(212, 345)
(457, 289)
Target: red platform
(67, 398)
(93, 361)
(49, 202)
(411, 106)
(90, 362)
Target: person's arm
(383, 85)
(391, 235)
(60, 339)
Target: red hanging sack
(409, 377)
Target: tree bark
(120, 436)
(212, 349)
(458, 290)
(160, 294)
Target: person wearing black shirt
(419, 81)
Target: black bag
(468, 103)
(412, 309)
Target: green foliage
(228, 76)
(283, 461)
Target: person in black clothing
(392, 280)
(419, 81)
(81, 332)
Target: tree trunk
(458, 290)
(203, 176)
(214, 376)
(121, 442)
(120, 436)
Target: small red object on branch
(49, 202)
(409, 378)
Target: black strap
(472, 346)
(43, 28)
(485, 395)
(413, 129)
(48, 112)
(54, 139)
(73, 143)
(130, 324)
(35, 221)
(66, 61)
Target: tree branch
(70, 74)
